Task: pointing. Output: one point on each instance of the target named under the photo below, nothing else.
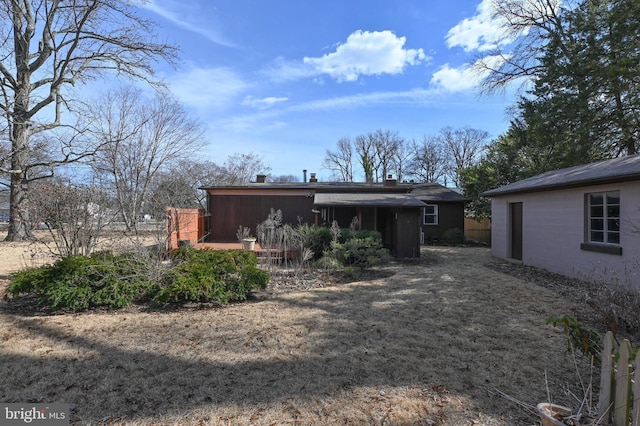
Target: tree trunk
(19, 217)
(19, 221)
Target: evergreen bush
(454, 236)
(361, 249)
(77, 283)
(220, 276)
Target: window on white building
(603, 220)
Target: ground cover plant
(427, 342)
(105, 280)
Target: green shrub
(579, 336)
(347, 234)
(362, 249)
(220, 276)
(454, 236)
(317, 238)
(77, 283)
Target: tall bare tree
(48, 47)
(524, 26)
(240, 168)
(430, 161)
(401, 161)
(143, 137)
(465, 146)
(387, 144)
(340, 161)
(365, 148)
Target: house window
(431, 214)
(604, 217)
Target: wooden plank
(622, 386)
(606, 379)
(635, 415)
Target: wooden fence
(619, 402)
(477, 230)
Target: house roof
(429, 192)
(366, 199)
(436, 192)
(318, 186)
(610, 171)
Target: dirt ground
(448, 340)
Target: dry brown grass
(428, 344)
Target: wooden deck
(272, 256)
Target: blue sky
(286, 79)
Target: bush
(454, 236)
(77, 283)
(220, 276)
(362, 249)
(317, 238)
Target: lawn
(444, 341)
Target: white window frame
(435, 215)
(605, 218)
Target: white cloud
(263, 103)
(367, 53)
(265, 119)
(188, 16)
(462, 78)
(207, 87)
(454, 79)
(482, 32)
(283, 70)
(367, 99)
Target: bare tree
(524, 25)
(239, 169)
(178, 184)
(430, 160)
(401, 161)
(365, 148)
(143, 137)
(284, 178)
(387, 144)
(465, 146)
(340, 161)
(48, 47)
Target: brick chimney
(390, 181)
(261, 178)
(313, 178)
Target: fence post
(623, 386)
(605, 401)
(635, 403)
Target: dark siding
(228, 212)
(450, 216)
(407, 233)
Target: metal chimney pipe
(304, 175)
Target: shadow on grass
(420, 328)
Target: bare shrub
(75, 215)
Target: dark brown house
(406, 214)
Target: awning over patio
(366, 200)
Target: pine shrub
(77, 283)
(220, 276)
